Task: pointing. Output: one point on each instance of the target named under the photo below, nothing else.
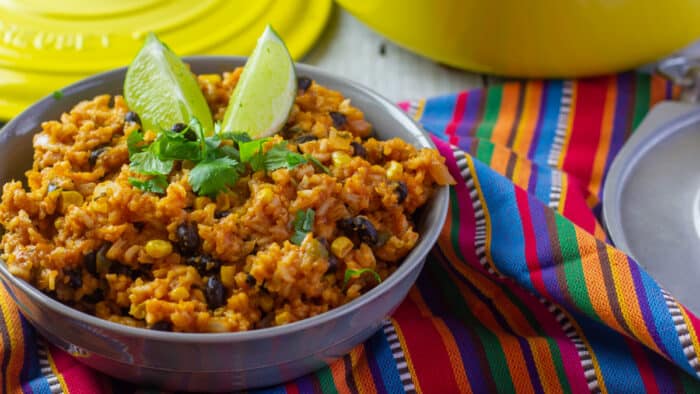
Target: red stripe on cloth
(78, 378)
(576, 209)
(533, 263)
(425, 348)
(585, 129)
(457, 116)
(291, 388)
(645, 371)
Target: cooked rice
(77, 216)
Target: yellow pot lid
(48, 44)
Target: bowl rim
(417, 255)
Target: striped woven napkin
(522, 292)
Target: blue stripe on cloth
(382, 364)
(437, 113)
(549, 121)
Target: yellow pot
(535, 38)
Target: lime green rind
(162, 90)
(265, 93)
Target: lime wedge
(161, 89)
(265, 93)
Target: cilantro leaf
(133, 142)
(239, 137)
(174, 146)
(280, 157)
(354, 273)
(317, 163)
(250, 149)
(157, 184)
(57, 94)
(303, 224)
(147, 162)
(209, 177)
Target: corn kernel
(341, 246)
(228, 274)
(283, 317)
(179, 293)
(266, 303)
(394, 171)
(138, 311)
(158, 248)
(70, 197)
(340, 158)
(265, 195)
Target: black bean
(95, 154)
(339, 119)
(359, 149)
(121, 269)
(324, 242)
(250, 280)
(401, 191)
(52, 187)
(103, 264)
(162, 325)
(214, 293)
(332, 263)
(75, 277)
(190, 135)
(303, 83)
(221, 214)
(360, 226)
(90, 262)
(132, 117)
(96, 296)
(187, 237)
(305, 138)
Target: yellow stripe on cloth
(15, 347)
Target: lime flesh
(162, 91)
(264, 96)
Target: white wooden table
(349, 48)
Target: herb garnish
(219, 160)
(353, 273)
(57, 94)
(303, 224)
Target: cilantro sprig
(219, 160)
(303, 224)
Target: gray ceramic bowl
(217, 362)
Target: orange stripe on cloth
(658, 89)
(360, 370)
(522, 173)
(16, 345)
(338, 372)
(628, 297)
(460, 375)
(528, 120)
(542, 355)
(419, 110)
(603, 149)
(593, 275)
(506, 116)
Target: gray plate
(651, 201)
